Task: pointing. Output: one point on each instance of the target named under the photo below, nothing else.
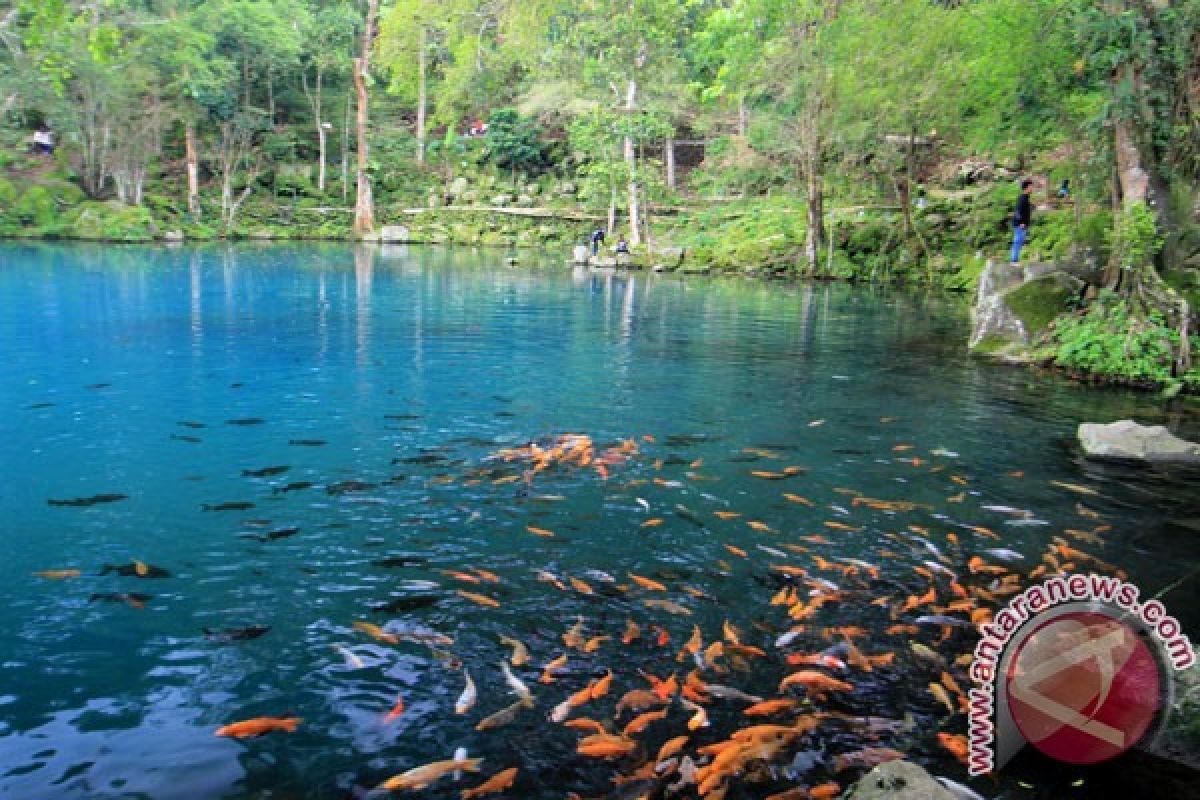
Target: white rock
(395, 234)
(899, 780)
(1127, 440)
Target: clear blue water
(390, 355)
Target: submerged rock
(899, 780)
(1127, 440)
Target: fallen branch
(540, 213)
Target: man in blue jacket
(1021, 219)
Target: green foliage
(1135, 239)
(513, 142)
(1106, 341)
(36, 207)
(113, 222)
(748, 236)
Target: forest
(879, 140)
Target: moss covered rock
(1036, 303)
(113, 222)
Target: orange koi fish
(396, 711)
(580, 586)
(956, 744)
(768, 707)
(817, 683)
(501, 781)
(259, 726)
(639, 723)
(539, 531)
(553, 667)
(479, 599)
(376, 632)
(647, 583)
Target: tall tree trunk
(193, 169)
(669, 157)
(612, 207)
(422, 98)
(635, 233)
(315, 100)
(1141, 184)
(364, 206)
(906, 189)
(811, 137)
(346, 150)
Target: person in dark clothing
(1021, 219)
(1064, 191)
(622, 247)
(597, 240)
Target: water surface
(167, 374)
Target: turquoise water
(405, 369)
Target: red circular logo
(1083, 687)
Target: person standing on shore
(1021, 219)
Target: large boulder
(1126, 440)
(1014, 304)
(899, 780)
(458, 187)
(581, 254)
(993, 324)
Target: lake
(306, 436)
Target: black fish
(396, 479)
(189, 424)
(400, 561)
(234, 506)
(280, 533)
(343, 487)
(237, 385)
(504, 414)
(307, 442)
(245, 421)
(236, 634)
(746, 459)
(426, 458)
(402, 416)
(674, 460)
(132, 598)
(39, 405)
(410, 603)
(687, 439)
(192, 439)
(131, 571)
(265, 472)
(292, 487)
(88, 501)
(99, 386)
